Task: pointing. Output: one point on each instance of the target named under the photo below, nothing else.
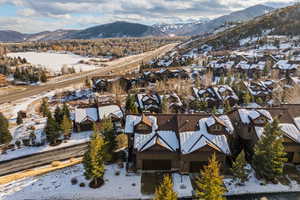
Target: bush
(117, 173)
(55, 163)
(74, 181)
(82, 185)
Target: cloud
(84, 13)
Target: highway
(120, 66)
(40, 159)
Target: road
(40, 159)
(117, 67)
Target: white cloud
(31, 14)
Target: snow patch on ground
(255, 186)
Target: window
(217, 127)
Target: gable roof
(82, 114)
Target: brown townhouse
(177, 142)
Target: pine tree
(210, 183)
(227, 107)
(52, 130)
(269, 154)
(165, 190)
(130, 105)
(221, 81)
(44, 109)
(19, 118)
(66, 126)
(93, 160)
(246, 98)
(5, 136)
(164, 105)
(43, 77)
(214, 110)
(107, 130)
(259, 101)
(239, 170)
(58, 115)
(66, 111)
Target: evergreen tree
(221, 81)
(107, 130)
(239, 170)
(164, 105)
(44, 109)
(269, 154)
(214, 110)
(5, 136)
(52, 130)
(227, 107)
(66, 111)
(58, 115)
(165, 190)
(210, 183)
(66, 126)
(259, 101)
(246, 98)
(43, 77)
(93, 160)
(130, 105)
(19, 118)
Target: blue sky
(30, 16)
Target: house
(84, 118)
(286, 67)
(149, 102)
(173, 102)
(216, 96)
(261, 89)
(250, 123)
(177, 142)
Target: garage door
(196, 166)
(157, 164)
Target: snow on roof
(246, 114)
(82, 114)
(166, 139)
(193, 140)
(291, 131)
(288, 129)
(106, 111)
(297, 122)
(259, 131)
(132, 120)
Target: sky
(29, 16)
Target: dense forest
(114, 47)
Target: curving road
(40, 159)
(121, 66)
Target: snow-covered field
(57, 185)
(54, 61)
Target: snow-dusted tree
(165, 190)
(269, 155)
(66, 126)
(210, 183)
(239, 170)
(5, 136)
(93, 160)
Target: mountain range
(127, 29)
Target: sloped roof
(165, 139)
(106, 111)
(82, 114)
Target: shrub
(117, 173)
(74, 181)
(55, 163)
(82, 185)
